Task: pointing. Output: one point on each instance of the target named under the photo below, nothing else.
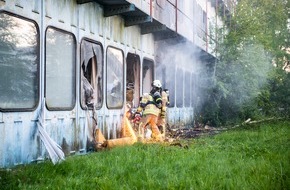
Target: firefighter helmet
(156, 83)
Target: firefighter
(162, 117)
(150, 107)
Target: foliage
(252, 157)
(250, 81)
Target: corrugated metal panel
(185, 26)
(143, 5)
(166, 14)
(133, 37)
(90, 18)
(64, 12)
(186, 7)
(148, 44)
(118, 29)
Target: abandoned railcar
(54, 52)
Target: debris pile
(195, 132)
(173, 135)
(128, 137)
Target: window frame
(123, 77)
(37, 62)
(151, 63)
(137, 97)
(74, 74)
(102, 73)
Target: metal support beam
(167, 35)
(118, 9)
(152, 28)
(130, 21)
(84, 1)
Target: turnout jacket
(150, 104)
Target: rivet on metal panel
(35, 11)
(47, 16)
(130, 21)
(152, 28)
(18, 5)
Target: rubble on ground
(172, 136)
(194, 132)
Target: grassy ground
(253, 157)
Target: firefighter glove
(137, 117)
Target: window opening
(133, 80)
(60, 69)
(115, 78)
(147, 75)
(19, 63)
(91, 75)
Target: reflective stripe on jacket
(150, 106)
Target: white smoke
(183, 70)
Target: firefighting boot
(156, 135)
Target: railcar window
(19, 60)
(60, 69)
(147, 75)
(187, 89)
(91, 74)
(179, 88)
(133, 80)
(115, 84)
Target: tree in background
(250, 80)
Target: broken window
(179, 88)
(147, 75)
(115, 78)
(19, 63)
(187, 89)
(91, 75)
(60, 69)
(133, 80)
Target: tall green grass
(253, 157)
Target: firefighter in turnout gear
(162, 117)
(150, 107)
